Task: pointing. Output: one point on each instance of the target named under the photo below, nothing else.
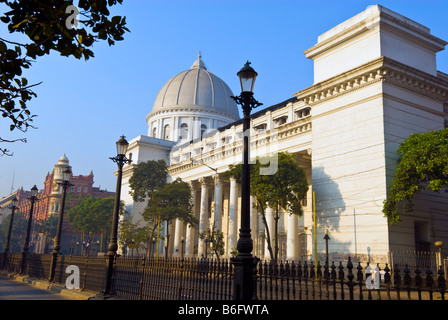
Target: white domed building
(375, 83)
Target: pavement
(16, 287)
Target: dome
(197, 89)
(63, 159)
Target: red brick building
(49, 202)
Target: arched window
(184, 131)
(154, 132)
(203, 129)
(166, 132)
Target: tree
(146, 178)
(18, 232)
(93, 216)
(422, 165)
(284, 188)
(171, 201)
(48, 227)
(50, 26)
(216, 240)
(133, 235)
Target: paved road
(13, 290)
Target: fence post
(341, 279)
(359, 278)
(299, 277)
(350, 277)
(333, 278)
(387, 278)
(407, 280)
(397, 280)
(319, 278)
(429, 282)
(441, 282)
(327, 279)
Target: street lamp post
(66, 175)
(26, 246)
(244, 262)
(13, 208)
(121, 160)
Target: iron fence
(415, 259)
(173, 279)
(197, 279)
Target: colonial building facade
(375, 83)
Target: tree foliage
(134, 235)
(93, 215)
(48, 227)
(422, 165)
(18, 232)
(44, 25)
(171, 201)
(284, 189)
(215, 238)
(146, 178)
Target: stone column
(218, 203)
(178, 231)
(203, 212)
(189, 235)
(233, 208)
(270, 223)
(291, 237)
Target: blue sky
(84, 106)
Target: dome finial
(198, 64)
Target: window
(166, 132)
(280, 120)
(79, 189)
(203, 129)
(85, 190)
(184, 131)
(261, 127)
(154, 132)
(421, 236)
(302, 113)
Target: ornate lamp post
(66, 175)
(26, 246)
(244, 285)
(121, 160)
(13, 208)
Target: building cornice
(379, 17)
(381, 69)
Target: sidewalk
(15, 287)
